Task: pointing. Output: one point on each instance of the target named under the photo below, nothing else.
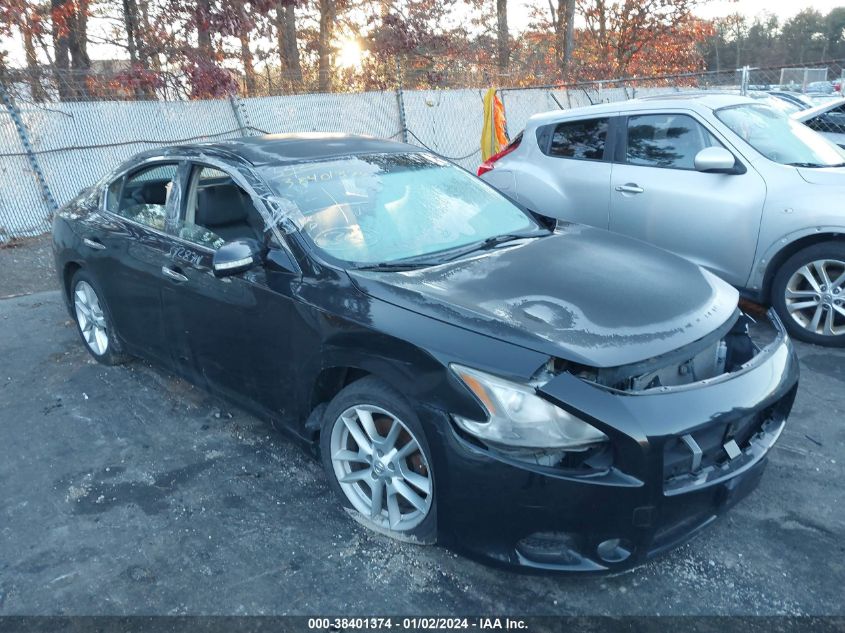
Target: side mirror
(715, 160)
(236, 257)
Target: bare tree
(504, 51)
(286, 36)
(328, 15)
(563, 21)
(70, 23)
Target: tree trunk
(328, 12)
(289, 59)
(605, 49)
(504, 52)
(130, 23)
(203, 13)
(149, 58)
(249, 67)
(36, 90)
(294, 62)
(61, 52)
(569, 40)
(563, 19)
(77, 46)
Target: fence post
(23, 133)
(240, 114)
(400, 101)
(554, 98)
(743, 86)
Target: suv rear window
(583, 140)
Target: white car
(828, 119)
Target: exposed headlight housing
(518, 418)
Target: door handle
(630, 187)
(173, 274)
(95, 244)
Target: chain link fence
(51, 147)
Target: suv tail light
(488, 164)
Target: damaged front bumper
(678, 458)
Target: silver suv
(726, 181)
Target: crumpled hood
(584, 295)
(833, 176)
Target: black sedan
(554, 397)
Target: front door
(232, 333)
(658, 196)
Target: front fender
(411, 353)
(768, 253)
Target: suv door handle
(175, 275)
(95, 244)
(630, 187)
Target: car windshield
(779, 138)
(381, 208)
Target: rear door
(658, 196)
(128, 244)
(569, 178)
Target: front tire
(378, 462)
(93, 321)
(808, 293)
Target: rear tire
(93, 320)
(808, 293)
(378, 462)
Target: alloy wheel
(381, 468)
(90, 317)
(815, 297)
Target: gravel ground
(128, 491)
(26, 266)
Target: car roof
(806, 115)
(271, 149)
(707, 99)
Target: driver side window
(218, 210)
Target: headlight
(517, 417)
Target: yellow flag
(493, 136)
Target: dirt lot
(127, 491)
(26, 266)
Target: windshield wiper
(433, 259)
(492, 242)
(508, 237)
(396, 266)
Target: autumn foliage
(212, 48)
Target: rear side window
(144, 196)
(666, 140)
(579, 139)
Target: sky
(784, 9)
(518, 18)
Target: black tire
(113, 353)
(370, 391)
(833, 299)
